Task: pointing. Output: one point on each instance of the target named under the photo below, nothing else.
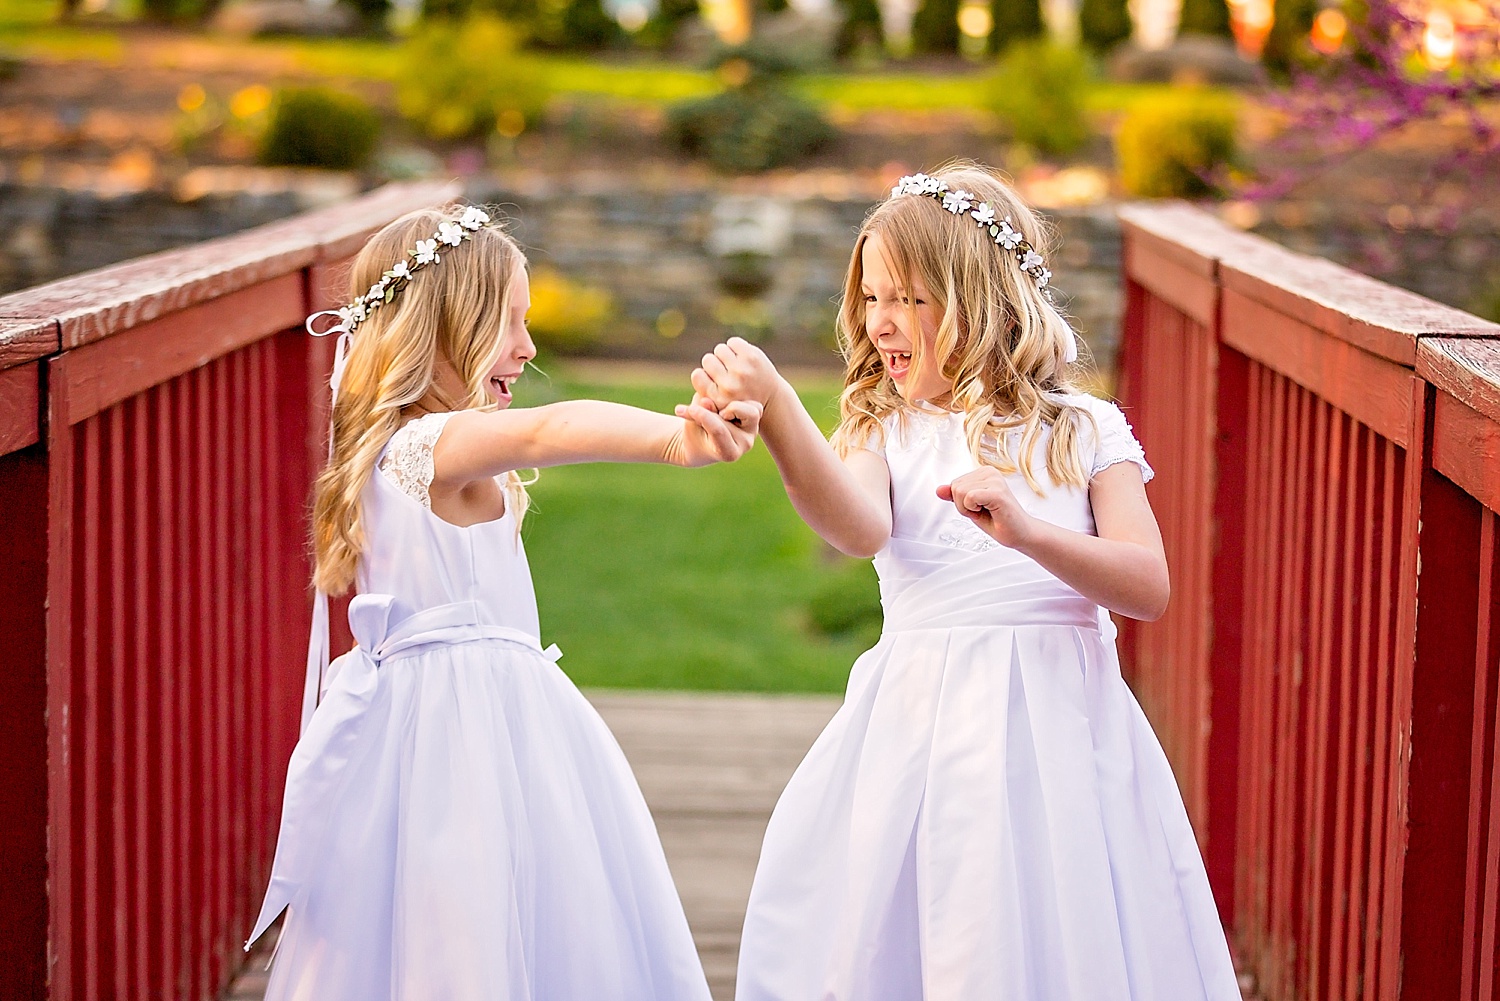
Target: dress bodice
(424, 561)
(925, 448)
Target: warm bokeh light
(730, 19)
(735, 72)
(633, 15)
(1328, 31)
(1438, 40)
(975, 20)
(510, 123)
(250, 101)
(1251, 22)
(191, 97)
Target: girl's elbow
(1159, 597)
(861, 545)
(860, 551)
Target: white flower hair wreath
(450, 234)
(1001, 230)
(962, 202)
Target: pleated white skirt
(988, 816)
(485, 840)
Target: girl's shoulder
(918, 427)
(407, 459)
(1105, 435)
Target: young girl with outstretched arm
(989, 815)
(458, 822)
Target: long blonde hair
(454, 310)
(1001, 343)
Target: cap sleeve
(1116, 441)
(875, 440)
(408, 457)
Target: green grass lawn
(656, 577)
(29, 26)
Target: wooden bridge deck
(711, 767)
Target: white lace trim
(408, 458)
(1137, 455)
(1119, 444)
(971, 539)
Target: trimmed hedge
(319, 127)
(1174, 145)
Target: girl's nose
(525, 349)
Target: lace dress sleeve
(408, 458)
(1116, 442)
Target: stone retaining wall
(686, 266)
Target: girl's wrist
(1027, 534)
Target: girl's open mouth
(897, 363)
(501, 385)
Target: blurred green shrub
(848, 603)
(575, 24)
(319, 127)
(934, 28)
(1287, 45)
(756, 122)
(1103, 24)
(1173, 145)
(1037, 92)
(462, 79)
(1206, 17)
(567, 317)
(10, 65)
(670, 16)
(1014, 21)
(861, 34)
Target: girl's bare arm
(476, 445)
(1124, 568)
(845, 500)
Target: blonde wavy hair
(1001, 343)
(453, 310)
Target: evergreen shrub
(756, 122)
(319, 127)
(1014, 21)
(1103, 24)
(934, 28)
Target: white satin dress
(989, 816)
(459, 824)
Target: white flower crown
(449, 234)
(961, 202)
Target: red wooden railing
(1325, 681)
(160, 423)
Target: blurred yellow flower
(250, 101)
(191, 97)
(567, 316)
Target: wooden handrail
(1326, 680)
(160, 424)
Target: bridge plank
(102, 373)
(1467, 370)
(25, 338)
(20, 407)
(1379, 318)
(1363, 384)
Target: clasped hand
(711, 433)
(738, 372)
